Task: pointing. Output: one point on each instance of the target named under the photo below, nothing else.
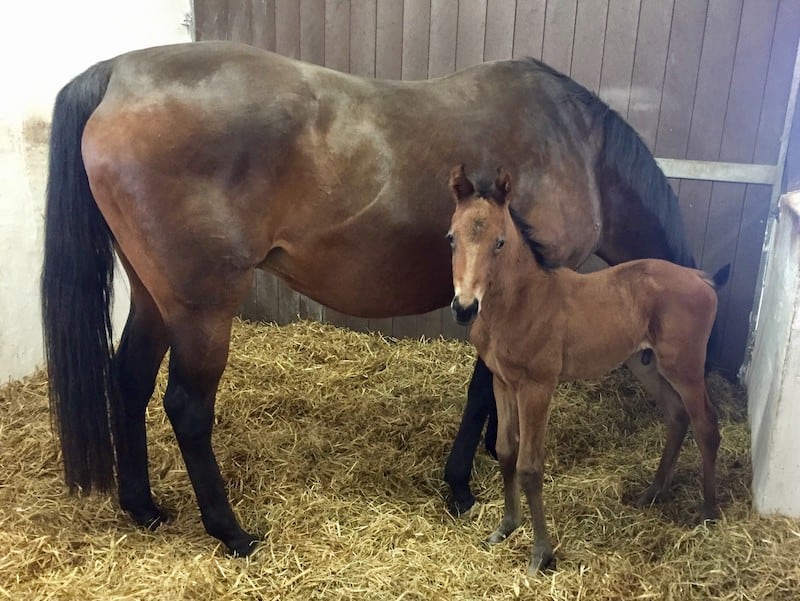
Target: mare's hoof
(461, 507)
(243, 547)
(710, 515)
(150, 518)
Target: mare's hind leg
(136, 363)
(199, 342)
(676, 420)
(480, 404)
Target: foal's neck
(520, 281)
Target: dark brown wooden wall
(698, 79)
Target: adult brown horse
(535, 326)
(200, 163)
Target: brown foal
(535, 326)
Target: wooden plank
(363, 24)
(499, 42)
(267, 295)
(416, 38)
(240, 18)
(389, 40)
(443, 37)
(471, 33)
(430, 324)
(312, 31)
(211, 20)
(618, 52)
(529, 28)
(337, 34)
(559, 32)
(745, 173)
(263, 24)
(727, 220)
(287, 28)
(677, 99)
(649, 64)
(405, 327)
(587, 49)
(450, 328)
(363, 29)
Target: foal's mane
(485, 188)
(527, 231)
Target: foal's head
(478, 232)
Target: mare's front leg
(199, 341)
(507, 452)
(457, 471)
(533, 401)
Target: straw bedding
(333, 442)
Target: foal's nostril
(464, 315)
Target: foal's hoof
(243, 547)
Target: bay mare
(199, 163)
(535, 326)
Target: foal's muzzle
(464, 315)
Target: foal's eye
(451, 238)
(499, 244)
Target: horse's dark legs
(199, 353)
(136, 364)
(480, 404)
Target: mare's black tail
(76, 292)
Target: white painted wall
(44, 45)
(773, 376)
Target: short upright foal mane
(535, 325)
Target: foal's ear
(460, 184)
(502, 185)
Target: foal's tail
(76, 292)
(719, 279)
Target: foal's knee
(531, 478)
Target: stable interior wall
(44, 45)
(773, 376)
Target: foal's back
(610, 314)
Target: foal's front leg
(507, 451)
(533, 402)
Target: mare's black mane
(624, 163)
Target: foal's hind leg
(705, 430)
(676, 420)
(199, 342)
(136, 363)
